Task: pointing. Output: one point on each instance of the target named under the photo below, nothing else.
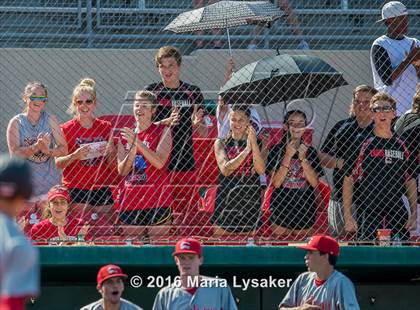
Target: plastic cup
(384, 237)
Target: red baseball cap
(58, 192)
(322, 243)
(109, 271)
(188, 245)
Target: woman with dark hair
(295, 170)
(238, 199)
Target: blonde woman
(91, 153)
(36, 136)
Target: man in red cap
(193, 291)
(322, 287)
(111, 286)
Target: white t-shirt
(404, 88)
(19, 270)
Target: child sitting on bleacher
(57, 226)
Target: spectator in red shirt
(91, 153)
(57, 226)
(143, 153)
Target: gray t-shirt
(211, 295)
(19, 270)
(125, 305)
(337, 293)
(44, 172)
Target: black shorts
(293, 209)
(146, 217)
(96, 197)
(238, 210)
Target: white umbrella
(225, 14)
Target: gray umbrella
(225, 14)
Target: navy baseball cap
(15, 177)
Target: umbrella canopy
(281, 78)
(225, 14)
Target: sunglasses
(38, 98)
(88, 102)
(385, 108)
(296, 125)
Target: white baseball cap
(393, 9)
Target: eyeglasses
(88, 102)
(38, 98)
(385, 108)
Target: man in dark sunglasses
(385, 172)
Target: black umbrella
(281, 78)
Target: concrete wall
(119, 71)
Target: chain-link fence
(144, 170)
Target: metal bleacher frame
(97, 33)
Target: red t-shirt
(88, 173)
(46, 230)
(145, 186)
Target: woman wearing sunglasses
(91, 153)
(36, 136)
(384, 172)
(295, 171)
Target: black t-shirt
(295, 179)
(184, 97)
(381, 168)
(343, 142)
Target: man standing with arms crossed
(183, 294)
(321, 287)
(181, 107)
(19, 273)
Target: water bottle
(397, 240)
(80, 238)
(250, 242)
